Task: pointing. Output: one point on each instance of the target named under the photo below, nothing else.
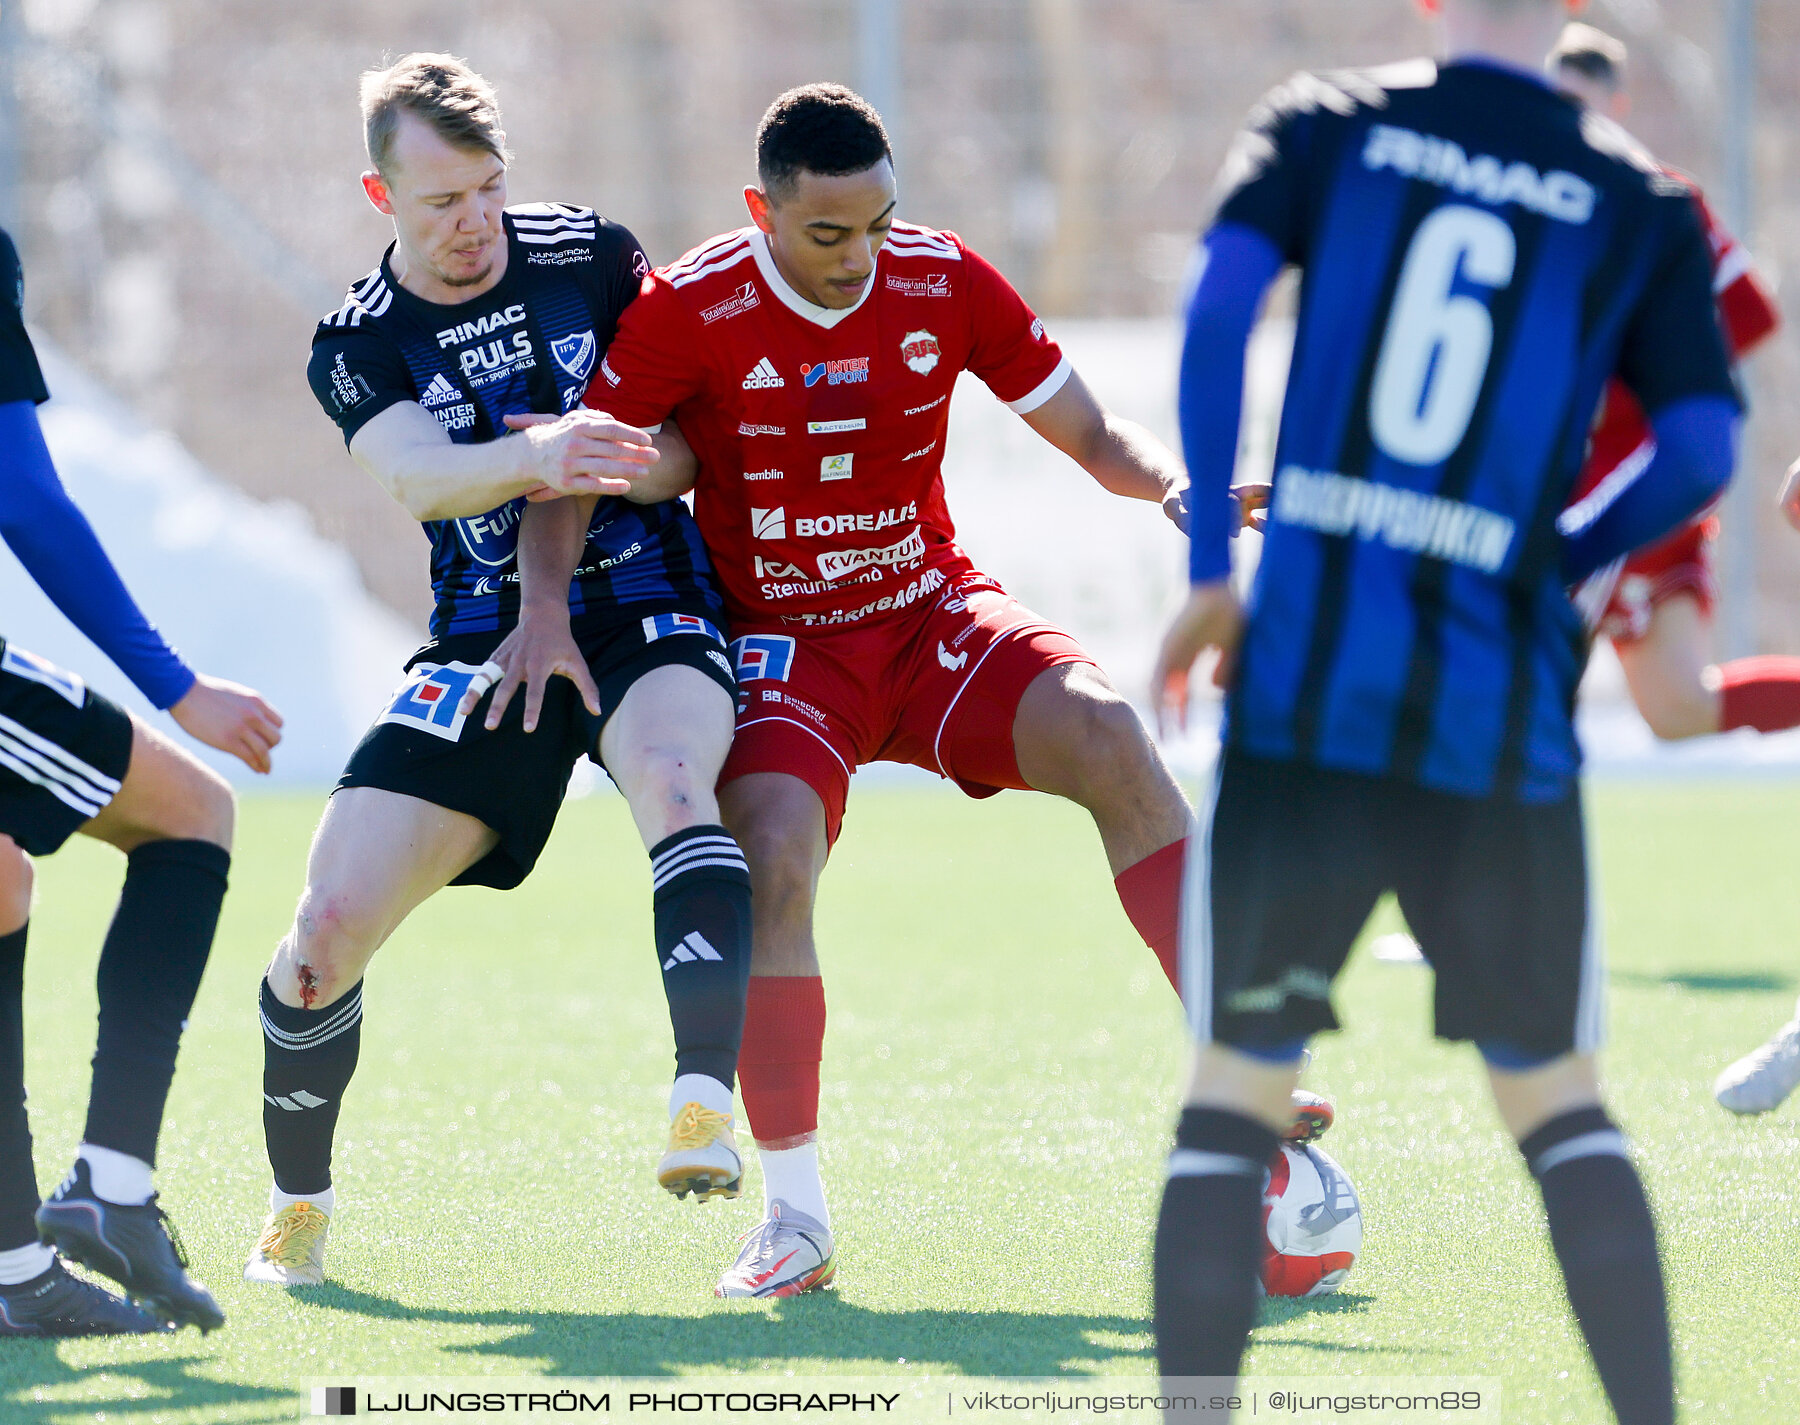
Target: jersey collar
(826, 317)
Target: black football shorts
(1294, 857)
(64, 750)
(512, 780)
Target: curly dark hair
(818, 128)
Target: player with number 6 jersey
(810, 359)
(1479, 256)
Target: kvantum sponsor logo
(1407, 520)
(836, 563)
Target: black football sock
(1605, 1240)
(150, 968)
(18, 1179)
(701, 889)
(1209, 1242)
(308, 1058)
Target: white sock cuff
(702, 1089)
(117, 1177)
(325, 1201)
(21, 1264)
(792, 1174)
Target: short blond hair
(440, 89)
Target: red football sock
(1763, 693)
(1151, 893)
(778, 1066)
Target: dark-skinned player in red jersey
(810, 360)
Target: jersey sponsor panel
(856, 400)
(531, 344)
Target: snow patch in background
(245, 590)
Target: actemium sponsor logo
(842, 427)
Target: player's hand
(538, 649)
(1790, 495)
(230, 717)
(585, 452)
(1253, 506)
(1211, 618)
(1175, 506)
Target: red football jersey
(1748, 317)
(820, 432)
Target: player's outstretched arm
(1121, 455)
(673, 474)
(434, 478)
(552, 535)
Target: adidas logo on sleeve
(763, 377)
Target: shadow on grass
(1282, 1311)
(812, 1327)
(1706, 981)
(136, 1390)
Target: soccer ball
(1312, 1223)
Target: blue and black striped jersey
(1478, 257)
(531, 344)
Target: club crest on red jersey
(919, 350)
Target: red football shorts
(937, 686)
(1680, 564)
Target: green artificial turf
(1001, 1068)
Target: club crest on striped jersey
(575, 354)
(920, 351)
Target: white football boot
(291, 1250)
(703, 1155)
(785, 1254)
(1764, 1077)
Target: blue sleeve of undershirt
(1696, 451)
(1237, 264)
(57, 546)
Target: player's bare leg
(665, 746)
(375, 857)
(1076, 737)
(1668, 671)
(780, 822)
(173, 819)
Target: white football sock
(792, 1174)
(117, 1177)
(21, 1264)
(324, 1201)
(702, 1089)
